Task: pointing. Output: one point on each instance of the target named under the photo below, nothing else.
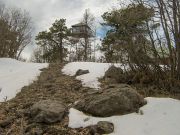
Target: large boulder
(81, 72)
(114, 75)
(47, 111)
(118, 100)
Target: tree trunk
(85, 48)
(167, 35)
(61, 51)
(176, 36)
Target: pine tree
(53, 41)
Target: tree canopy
(16, 31)
(53, 41)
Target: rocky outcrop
(118, 100)
(47, 111)
(81, 72)
(114, 75)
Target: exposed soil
(51, 84)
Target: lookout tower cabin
(81, 30)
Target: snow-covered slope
(161, 116)
(96, 70)
(15, 74)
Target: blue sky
(101, 32)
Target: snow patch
(97, 70)
(161, 116)
(15, 74)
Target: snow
(161, 116)
(97, 70)
(15, 74)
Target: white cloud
(45, 12)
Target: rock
(47, 111)
(104, 127)
(81, 72)
(6, 122)
(114, 75)
(118, 100)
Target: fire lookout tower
(83, 31)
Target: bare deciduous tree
(88, 19)
(15, 30)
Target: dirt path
(51, 84)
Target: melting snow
(97, 70)
(15, 74)
(161, 116)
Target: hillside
(159, 116)
(51, 84)
(97, 67)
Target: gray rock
(47, 111)
(104, 127)
(118, 100)
(81, 72)
(114, 75)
